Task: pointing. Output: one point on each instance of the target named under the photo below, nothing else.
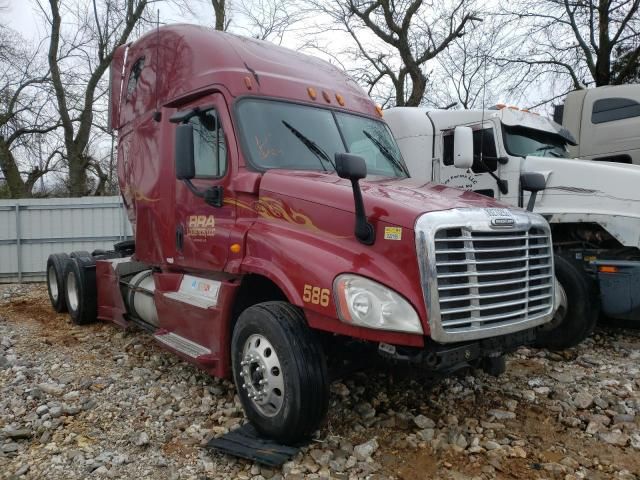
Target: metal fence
(31, 229)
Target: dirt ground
(117, 406)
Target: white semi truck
(593, 206)
(605, 122)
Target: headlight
(366, 303)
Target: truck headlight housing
(365, 303)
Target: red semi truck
(274, 215)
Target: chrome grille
(481, 280)
(492, 278)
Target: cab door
(476, 179)
(202, 228)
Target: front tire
(578, 308)
(80, 290)
(280, 371)
(55, 281)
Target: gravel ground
(98, 402)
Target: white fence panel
(32, 229)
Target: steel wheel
(53, 283)
(72, 291)
(262, 375)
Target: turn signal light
(608, 269)
(235, 248)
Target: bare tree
(407, 35)
(25, 116)
(574, 39)
(268, 19)
(78, 59)
(466, 75)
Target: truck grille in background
(491, 279)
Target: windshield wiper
(385, 151)
(311, 145)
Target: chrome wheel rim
(72, 291)
(53, 283)
(262, 376)
(562, 305)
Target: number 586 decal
(316, 295)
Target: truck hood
(590, 191)
(396, 201)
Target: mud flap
(246, 442)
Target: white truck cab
(605, 122)
(593, 206)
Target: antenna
(484, 91)
(157, 115)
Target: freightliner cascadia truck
(274, 218)
(593, 207)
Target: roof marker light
(312, 93)
(379, 110)
(340, 99)
(247, 83)
(326, 97)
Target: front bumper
(442, 358)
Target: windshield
(522, 141)
(291, 136)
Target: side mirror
(463, 147)
(184, 155)
(532, 182)
(349, 166)
(354, 168)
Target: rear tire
(55, 281)
(280, 371)
(80, 290)
(575, 320)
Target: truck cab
(593, 207)
(274, 219)
(605, 121)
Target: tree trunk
(77, 174)
(418, 87)
(9, 167)
(220, 13)
(603, 59)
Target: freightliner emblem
(500, 217)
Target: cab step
(181, 344)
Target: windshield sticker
(393, 233)
(201, 226)
(465, 181)
(264, 149)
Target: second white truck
(593, 206)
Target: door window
(134, 76)
(611, 109)
(209, 146)
(483, 141)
